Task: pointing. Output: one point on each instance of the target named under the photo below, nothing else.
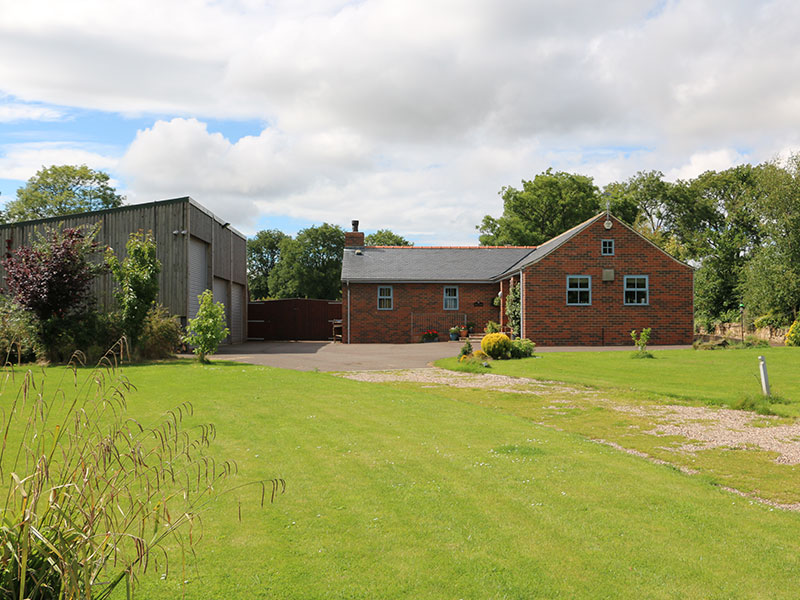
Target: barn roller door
(220, 292)
(237, 313)
(198, 273)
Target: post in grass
(762, 366)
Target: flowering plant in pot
(463, 331)
(431, 335)
(454, 333)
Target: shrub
(513, 309)
(207, 329)
(793, 337)
(466, 349)
(161, 334)
(137, 278)
(492, 327)
(19, 340)
(92, 497)
(52, 279)
(772, 320)
(522, 348)
(496, 345)
(644, 337)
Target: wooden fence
(292, 319)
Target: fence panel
(439, 322)
(292, 319)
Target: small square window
(607, 247)
(451, 298)
(385, 297)
(637, 289)
(579, 289)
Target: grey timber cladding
(173, 223)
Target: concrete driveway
(327, 356)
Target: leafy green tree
(263, 253)
(542, 209)
(720, 228)
(137, 278)
(207, 329)
(310, 265)
(62, 190)
(771, 282)
(385, 237)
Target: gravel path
(704, 427)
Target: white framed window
(637, 289)
(607, 247)
(451, 297)
(579, 289)
(385, 297)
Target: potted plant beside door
(454, 333)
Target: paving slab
(330, 356)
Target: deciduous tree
(263, 253)
(310, 265)
(62, 190)
(386, 237)
(137, 280)
(545, 207)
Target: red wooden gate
(292, 319)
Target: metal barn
(197, 250)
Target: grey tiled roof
(385, 264)
(551, 245)
(470, 263)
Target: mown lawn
(396, 492)
(721, 377)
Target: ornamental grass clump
(93, 496)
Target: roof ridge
(456, 247)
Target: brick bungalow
(589, 286)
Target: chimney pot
(355, 225)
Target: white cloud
(716, 160)
(14, 111)
(21, 161)
(410, 114)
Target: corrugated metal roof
(419, 263)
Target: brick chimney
(355, 238)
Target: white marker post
(762, 366)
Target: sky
(408, 115)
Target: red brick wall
(549, 321)
(370, 325)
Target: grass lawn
(403, 492)
(720, 377)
